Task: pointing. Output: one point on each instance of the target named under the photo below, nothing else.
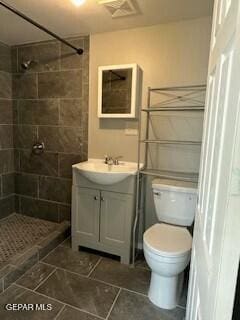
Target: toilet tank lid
(174, 185)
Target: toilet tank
(175, 201)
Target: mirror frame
(135, 90)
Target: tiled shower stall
(46, 103)
(50, 105)
(7, 188)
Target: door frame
(221, 298)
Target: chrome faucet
(116, 160)
(110, 160)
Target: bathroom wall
(51, 106)
(6, 134)
(169, 54)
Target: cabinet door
(116, 218)
(87, 214)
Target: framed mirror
(118, 91)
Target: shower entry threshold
(24, 241)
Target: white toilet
(167, 247)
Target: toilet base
(165, 292)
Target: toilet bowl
(167, 245)
(167, 252)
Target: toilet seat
(167, 240)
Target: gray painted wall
(168, 54)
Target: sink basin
(97, 171)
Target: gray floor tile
(34, 276)
(66, 243)
(20, 264)
(113, 272)
(86, 294)
(66, 258)
(19, 295)
(2, 265)
(183, 300)
(132, 306)
(141, 262)
(69, 313)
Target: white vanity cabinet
(102, 216)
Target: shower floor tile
(23, 241)
(18, 233)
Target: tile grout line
(41, 260)
(45, 200)
(72, 272)
(62, 245)
(34, 248)
(37, 90)
(97, 280)
(39, 125)
(86, 277)
(60, 311)
(87, 312)
(97, 263)
(81, 275)
(17, 69)
(24, 272)
(42, 282)
(58, 301)
(49, 98)
(114, 302)
(59, 56)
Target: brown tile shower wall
(6, 134)
(51, 106)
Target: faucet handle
(116, 160)
(107, 158)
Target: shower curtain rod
(39, 26)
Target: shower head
(26, 64)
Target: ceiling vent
(120, 8)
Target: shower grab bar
(39, 26)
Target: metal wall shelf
(200, 87)
(187, 108)
(181, 142)
(172, 175)
(182, 98)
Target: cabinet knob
(102, 199)
(95, 198)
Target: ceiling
(65, 19)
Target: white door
(216, 243)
